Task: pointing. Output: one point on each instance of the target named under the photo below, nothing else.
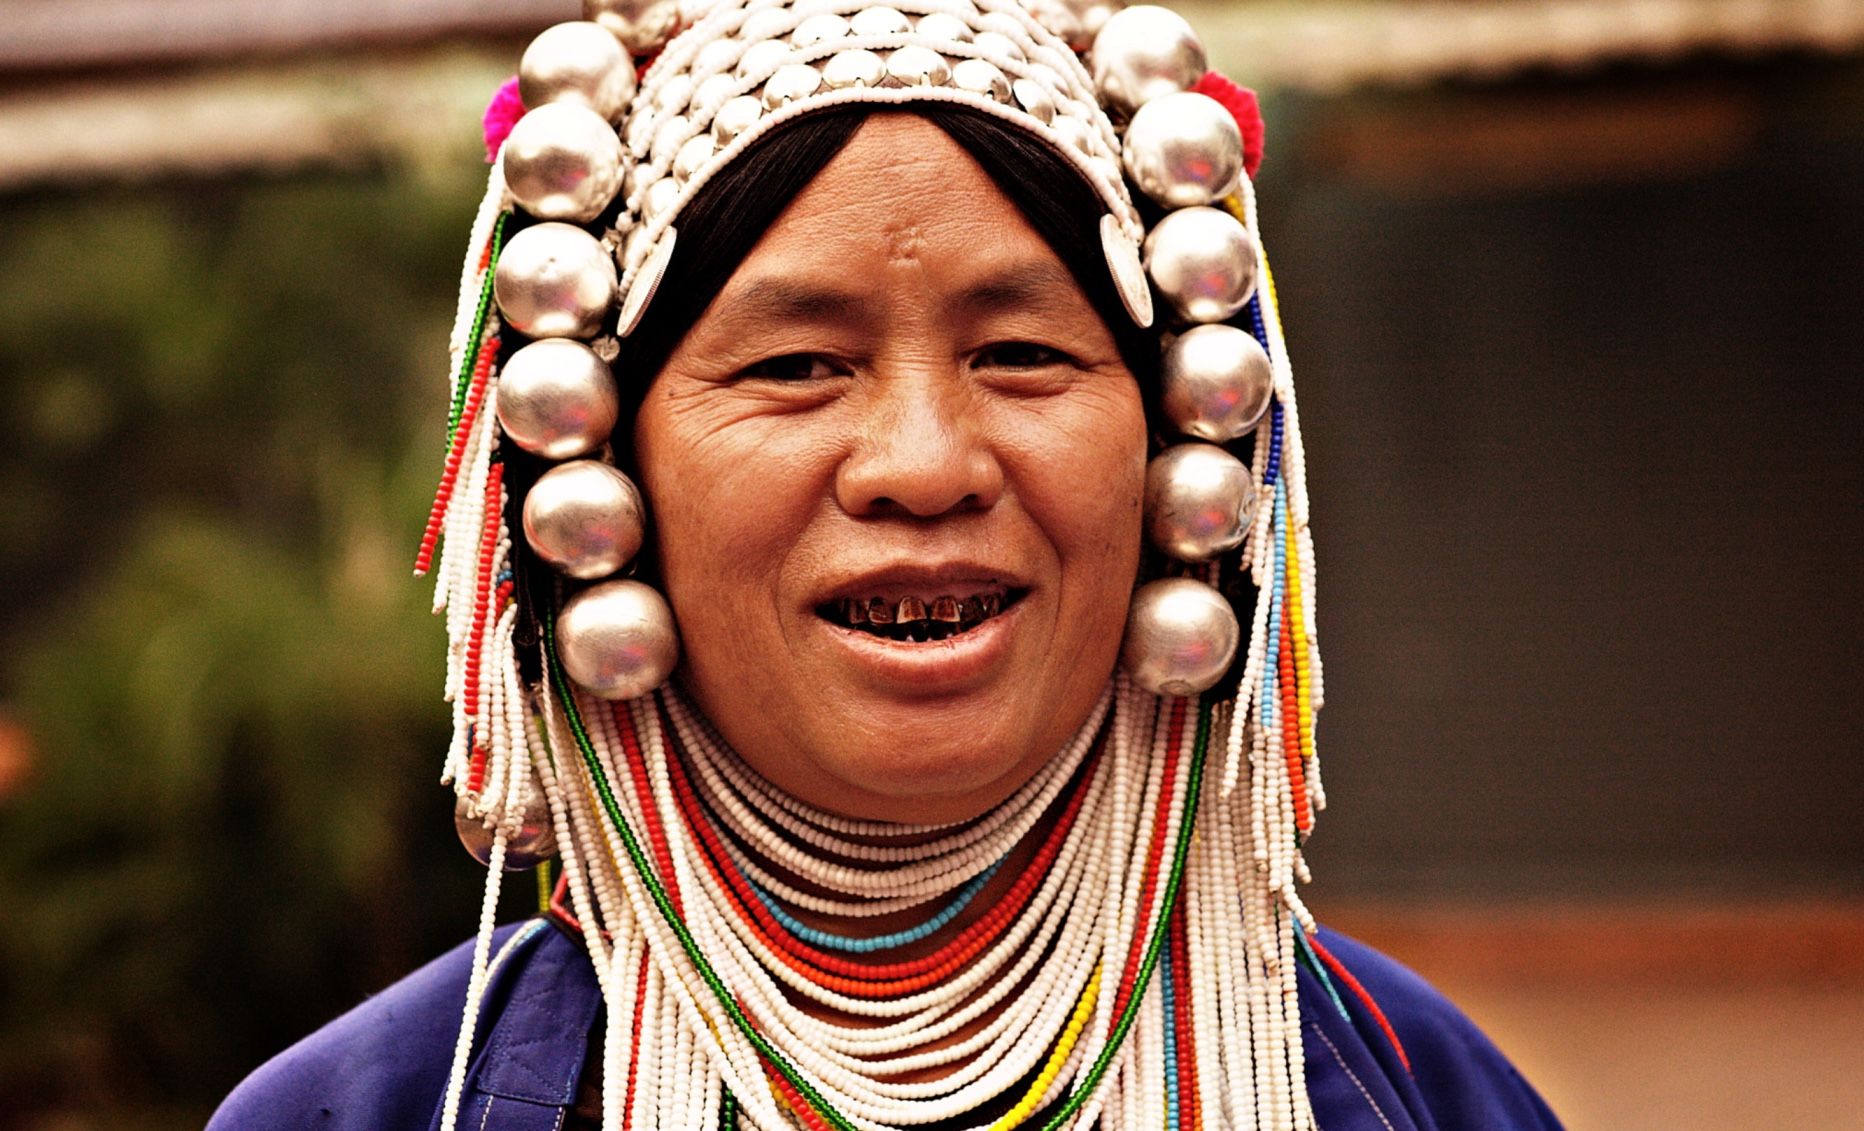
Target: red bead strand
(858, 979)
(443, 496)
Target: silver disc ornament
(562, 162)
(617, 639)
(1200, 501)
(557, 399)
(1183, 149)
(1215, 382)
(577, 61)
(641, 25)
(1143, 53)
(533, 843)
(585, 518)
(1203, 262)
(1181, 636)
(554, 280)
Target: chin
(919, 780)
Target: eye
(793, 367)
(1018, 355)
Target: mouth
(915, 618)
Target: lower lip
(933, 666)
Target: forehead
(900, 196)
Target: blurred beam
(78, 34)
(1338, 45)
(277, 117)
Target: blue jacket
(383, 1065)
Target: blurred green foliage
(227, 404)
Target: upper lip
(921, 579)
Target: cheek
(1086, 484)
(726, 497)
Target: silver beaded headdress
(579, 224)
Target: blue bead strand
(846, 945)
(1168, 987)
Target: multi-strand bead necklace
(1118, 979)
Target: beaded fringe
(698, 1024)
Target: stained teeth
(916, 618)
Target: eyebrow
(784, 299)
(1025, 284)
(788, 300)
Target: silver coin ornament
(577, 61)
(790, 82)
(1215, 383)
(1181, 636)
(736, 116)
(980, 76)
(1142, 53)
(1203, 262)
(1183, 149)
(557, 399)
(562, 162)
(554, 280)
(534, 842)
(853, 67)
(617, 639)
(585, 518)
(641, 25)
(1199, 503)
(918, 66)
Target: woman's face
(900, 396)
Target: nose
(921, 451)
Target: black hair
(726, 218)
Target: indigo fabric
(383, 1065)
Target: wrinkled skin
(900, 390)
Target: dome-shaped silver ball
(1203, 262)
(641, 25)
(1142, 53)
(577, 61)
(1183, 149)
(562, 162)
(1181, 636)
(557, 399)
(554, 281)
(1215, 382)
(1200, 501)
(585, 518)
(533, 843)
(617, 639)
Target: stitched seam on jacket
(1341, 1061)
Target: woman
(970, 802)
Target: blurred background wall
(1571, 292)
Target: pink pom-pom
(1241, 102)
(500, 115)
